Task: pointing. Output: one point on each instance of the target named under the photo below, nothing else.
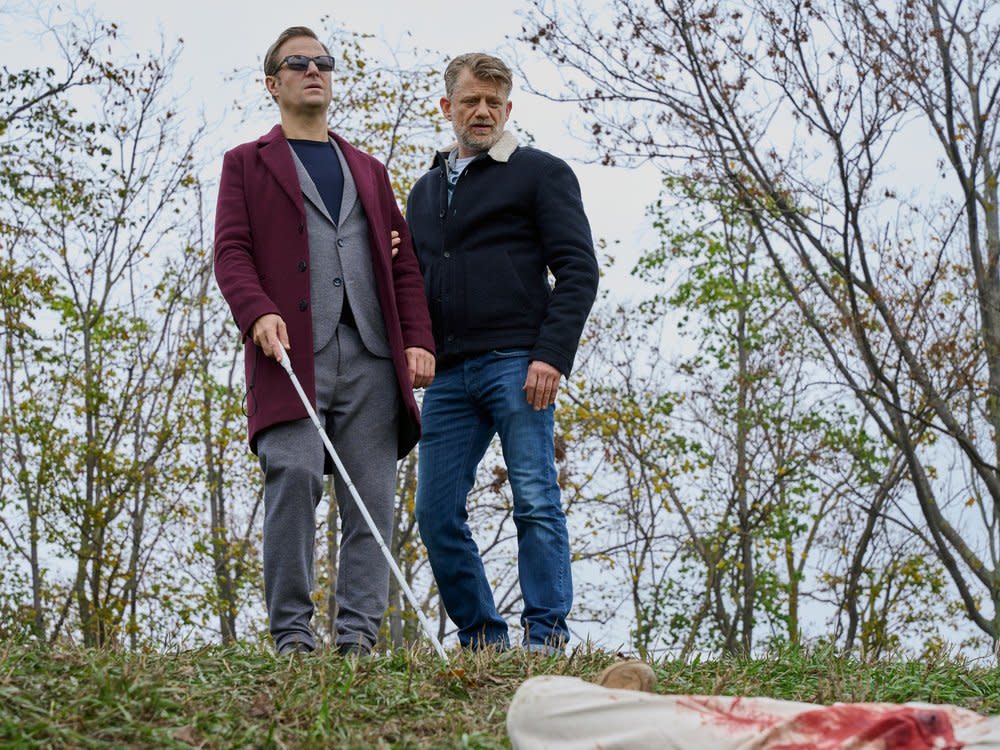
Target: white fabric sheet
(566, 713)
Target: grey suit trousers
(357, 400)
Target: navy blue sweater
(486, 257)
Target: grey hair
(482, 66)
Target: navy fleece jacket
(515, 215)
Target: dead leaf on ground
(262, 706)
(187, 734)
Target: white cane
(286, 362)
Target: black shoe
(357, 650)
(294, 647)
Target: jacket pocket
(496, 297)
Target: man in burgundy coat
(303, 257)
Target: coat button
(302, 265)
(340, 243)
(451, 338)
(338, 282)
(303, 305)
(447, 254)
(441, 214)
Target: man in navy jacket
(490, 222)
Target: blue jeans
(463, 409)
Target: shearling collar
(501, 150)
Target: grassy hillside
(246, 697)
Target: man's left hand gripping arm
(415, 321)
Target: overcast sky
(221, 36)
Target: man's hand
(542, 384)
(270, 334)
(394, 241)
(420, 363)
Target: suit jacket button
(338, 282)
(302, 265)
(340, 243)
(447, 254)
(303, 305)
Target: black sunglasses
(324, 63)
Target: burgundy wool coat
(262, 262)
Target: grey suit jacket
(340, 264)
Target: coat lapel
(350, 194)
(277, 157)
(363, 180)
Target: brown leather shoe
(628, 675)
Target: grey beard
(478, 144)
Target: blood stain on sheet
(838, 727)
(729, 712)
(890, 728)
